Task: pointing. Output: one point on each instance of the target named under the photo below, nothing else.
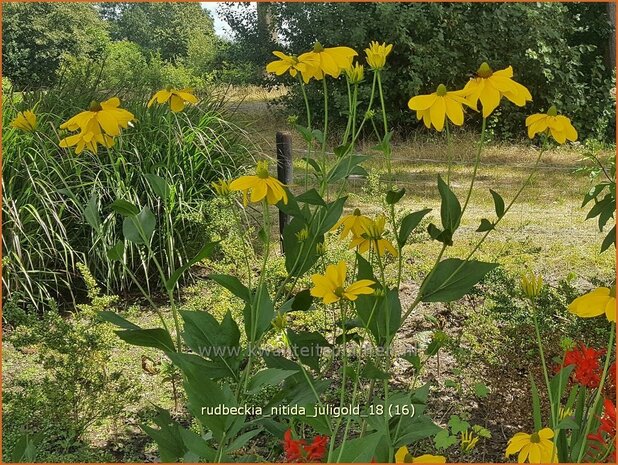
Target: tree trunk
(611, 12)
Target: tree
(163, 28)
(36, 37)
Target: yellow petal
(176, 103)
(454, 110)
(400, 455)
(422, 102)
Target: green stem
(544, 365)
(449, 151)
(476, 166)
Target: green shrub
(74, 388)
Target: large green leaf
(450, 209)
(259, 314)
(358, 450)
(139, 228)
(232, 284)
(408, 223)
(218, 342)
(453, 278)
(157, 338)
(168, 438)
(307, 346)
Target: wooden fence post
(284, 173)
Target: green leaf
(218, 342)
(414, 360)
(140, 228)
(232, 284)
(302, 301)
(258, 314)
(115, 319)
(481, 390)
(485, 225)
(392, 197)
(158, 185)
(408, 224)
(201, 255)
(609, 240)
(169, 441)
(331, 215)
(242, 440)
(450, 209)
(344, 167)
(443, 440)
(358, 450)
(124, 208)
(268, 377)
(26, 448)
(311, 197)
(371, 371)
(446, 237)
(307, 346)
(198, 445)
(560, 381)
(305, 132)
(458, 425)
(158, 338)
(567, 423)
(116, 253)
(453, 278)
(498, 203)
(91, 213)
(438, 340)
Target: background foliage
(560, 51)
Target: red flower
(606, 442)
(297, 450)
(587, 367)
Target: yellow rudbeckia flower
(490, 86)
(105, 115)
(262, 185)
(25, 120)
(434, 108)
(89, 138)
(176, 98)
(327, 60)
(403, 456)
(330, 286)
(372, 237)
(354, 223)
(377, 53)
(595, 303)
(291, 64)
(535, 448)
(559, 126)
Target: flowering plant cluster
(581, 425)
(218, 359)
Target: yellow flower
(355, 73)
(291, 64)
(403, 456)
(262, 185)
(376, 54)
(25, 120)
(595, 303)
(372, 237)
(103, 117)
(221, 187)
(330, 286)
(327, 60)
(354, 223)
(88, 138)
(490, 86)
(559, 126)
(434, 108)
(531, 285)
(177, 98)
(536, 447)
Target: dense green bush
(75, 388)
(56, 204)
(558, 50)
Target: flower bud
(531, 285)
